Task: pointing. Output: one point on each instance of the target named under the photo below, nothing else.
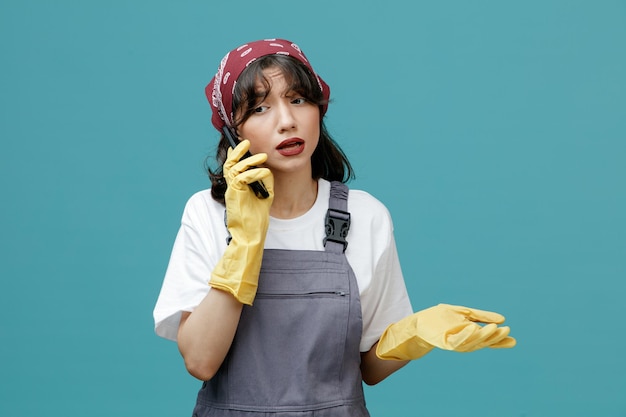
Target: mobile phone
(258, 187)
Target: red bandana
(219, 91)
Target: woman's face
(283, 125)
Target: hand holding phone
(258, 187)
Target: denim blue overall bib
(296, 350)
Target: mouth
(290, 143)
(291, 146)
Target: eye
(260, 109)
(299, 100)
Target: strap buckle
(337, 227)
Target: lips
(290, 147)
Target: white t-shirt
(371, 252)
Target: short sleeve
(385, 300)
(194, 255)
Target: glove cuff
(399, 343)
(238, 270)
(244, 294)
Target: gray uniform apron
(296, 350)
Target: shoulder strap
(337, 223)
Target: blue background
(494, 131)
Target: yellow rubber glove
(247, 220)
(446, 327)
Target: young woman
(284, 304)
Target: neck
(293, 197)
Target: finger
(498, 336)
(493, 336)
(457, 336)
(477, 315)
(480, 336)
(507, 342)
(232, 158)
(239, 150)
(249, 162)
(253, 175)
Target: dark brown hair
(328, 160)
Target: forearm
(374, 369)
(206, 334)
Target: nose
(286, 119)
